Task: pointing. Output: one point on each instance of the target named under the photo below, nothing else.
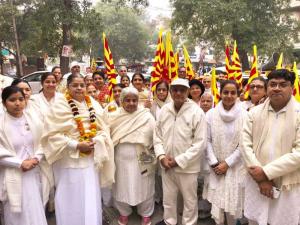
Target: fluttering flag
(188, 64)
(176, 56)
(236, 65)
(110, 68)
(170, 60)
(296, 91)
(214, 87)
(253, 72)
(279, 63)
(229, 71)
(93, 65)
(158, 64)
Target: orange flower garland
(84, 135)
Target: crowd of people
(68, 148)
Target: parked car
(34, 80)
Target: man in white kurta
(179, 140)
(271, 151)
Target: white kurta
(224, 191)
(272, 211)
(130, 186)
(32, 205)
(78, 195)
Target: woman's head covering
(128, 90)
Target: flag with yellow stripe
(110, 67)
(236, 65)
(229, 71)
(214, 87)
(170, 59)
(279, 63)
(253, 72)
(296, 91)
(158, 64)
(188, 64)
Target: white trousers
(186, 184)
(144, 209)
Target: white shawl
(11, 185)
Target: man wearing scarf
(271, 151)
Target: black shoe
(161, 223)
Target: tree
(267, 23)
(127, 34)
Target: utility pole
(19, 60)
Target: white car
(34, 80)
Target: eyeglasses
(279, 85)
(182, 71)
(122, 70)
(252, 87)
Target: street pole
(19, 60)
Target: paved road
(134, 219)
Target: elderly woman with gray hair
(132, 133)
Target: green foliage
(40, 27)
(266, 23)
(127, 35)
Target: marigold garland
(85, 135)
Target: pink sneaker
(146, 220)
(123, 220)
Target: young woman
(92, 91)
(77, 144)
(25, 177)
(138, 82)
(125, 81)
(24, 86)
(61, 85)
(196, 90)
(223, 189)
(161, 97)
(103, 92)
(42, 102)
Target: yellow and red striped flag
(110, 68)
(279, 63)
(93, 65)
(188, 64)
(158, 64)
(170, 60)
(236, 65)
(214, 87)
(229, 71)
(253, 72)
(296, 91)
(176, 56)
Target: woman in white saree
(132, 134)
(77, 143)
(25, 177)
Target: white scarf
(221, 145)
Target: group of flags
(166, 65)
(166, 62)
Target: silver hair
(128, 90)
(207, 94)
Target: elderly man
(207, 83)
(179, 140)
(271, 151)
(122, 72)
(182, 72)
